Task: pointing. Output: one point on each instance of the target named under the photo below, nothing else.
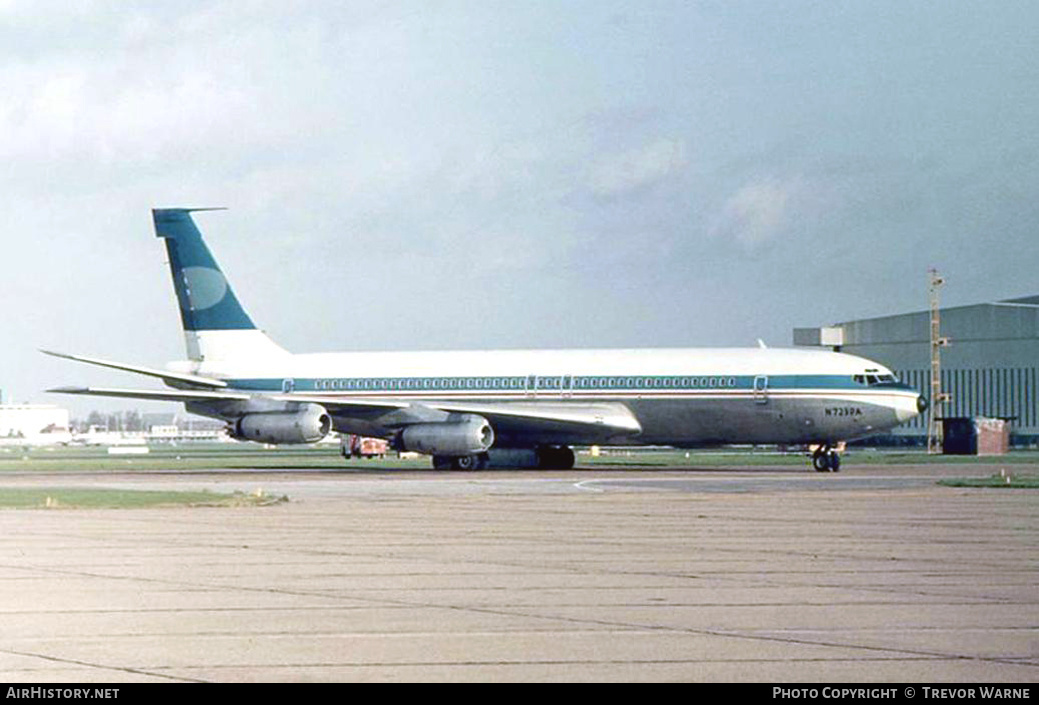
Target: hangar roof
(1033, 300)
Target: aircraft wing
(604, 419)
(564, 418)
(520, 418)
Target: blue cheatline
(635, 383)
(207, 301)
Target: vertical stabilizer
(216, 327)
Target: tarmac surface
(875, 574)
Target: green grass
(75, 498)
(1004, 480)
(215, 456)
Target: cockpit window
(874, 379)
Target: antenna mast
(938, 398)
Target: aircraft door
(761, 389)
(532, 386)
(288, 386)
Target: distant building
(34, 424)
(181, 421)
(989, 368)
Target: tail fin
(216, 327)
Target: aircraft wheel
(463, 462)
(835, 462)
(477, 461)
(821, 462)
(566, 458)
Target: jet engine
(471, 434)
(307, 426)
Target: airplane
(523, 408)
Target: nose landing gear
(826, 459)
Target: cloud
(758, 212)
(636, 169)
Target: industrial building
(988, 368)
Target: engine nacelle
(470, 435)
(307, 426)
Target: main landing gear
(826, 459)
(542, 458)
(474, 461)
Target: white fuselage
(678, 396)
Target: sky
(507, 174)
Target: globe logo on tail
(206, 287)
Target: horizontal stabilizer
(187, 395)
(200, 395)
(171, 378)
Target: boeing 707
(467, 408)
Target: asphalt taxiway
(875, 574)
